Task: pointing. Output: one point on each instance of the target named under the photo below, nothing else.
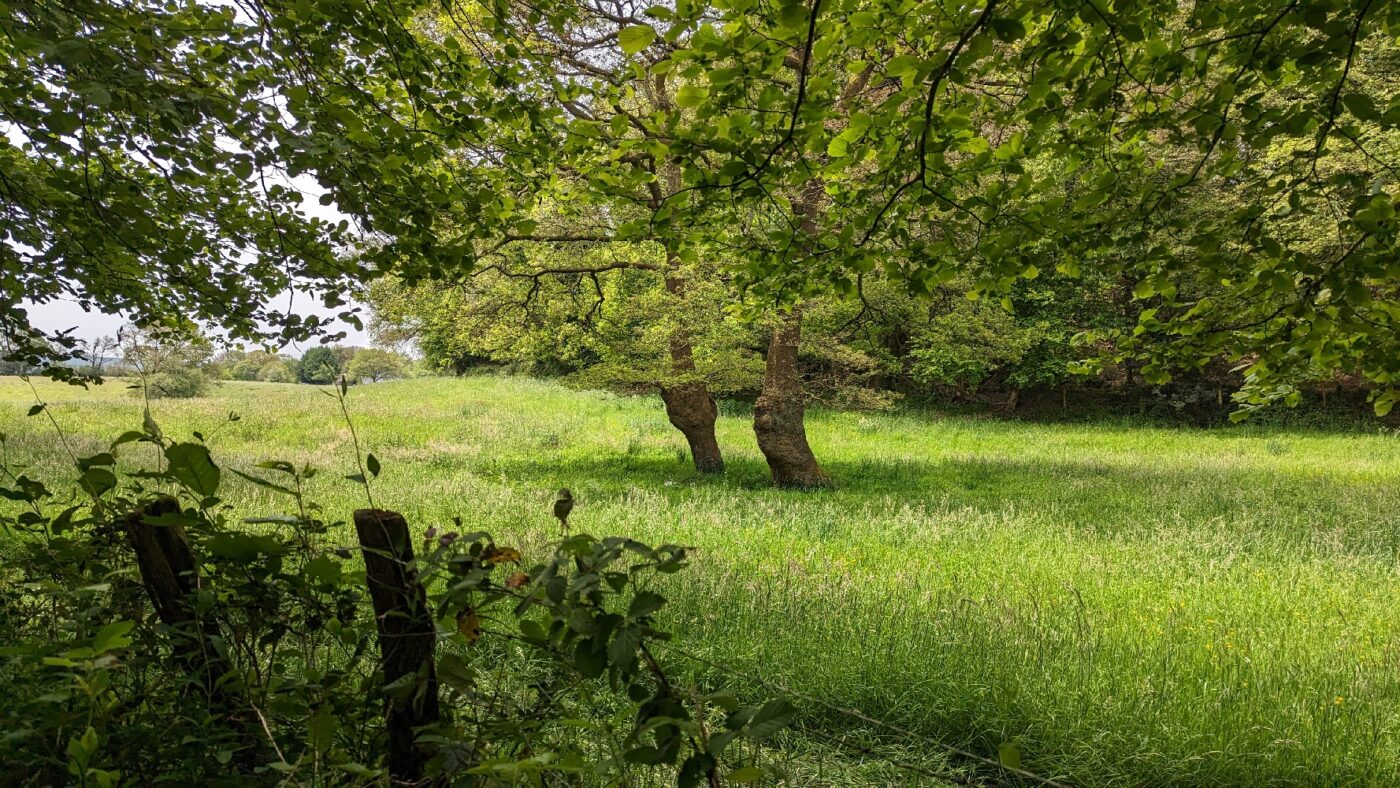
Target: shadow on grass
(1099, 497)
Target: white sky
(62, 315)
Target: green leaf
(372, 464)
(1361, 106)
(455, 673)
(903, 66)
(97, 480)
(775, 715)
(265, 483)
(622, 651)
(323, 569)
(1008, 29)
(636, 38)
(691, 95)
(645, 604)
(113, 636)
(589, 660)
(192, 466)
(321, 729)
(793, 15)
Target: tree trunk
(692, 410)
(689, 405)
(407, 637)
(778, 413)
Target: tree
(1001, 138)
(248, 367)
(318, 366)
(169, 363)
(375, 364)
(100, 353)
(813, 144)
(276, 370)
(142, 171)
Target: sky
(62, 315)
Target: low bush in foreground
(152, 636)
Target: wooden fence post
(170, 573)
(407, 636)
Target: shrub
(248, 367)
(177, 383)
(112, 610)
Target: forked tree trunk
(778, 413)
(407, 637)
(689, 405)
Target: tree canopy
(150, 149)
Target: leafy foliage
(1234, 162)
(320, 366)
(272, 675)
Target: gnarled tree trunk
(778, 413)
(689, 405)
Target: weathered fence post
(406, 636)
(170, 573)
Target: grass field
(1129, 605)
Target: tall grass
(1128, 605)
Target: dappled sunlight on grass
(1129, 604)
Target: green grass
(1130, 605)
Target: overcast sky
(62, 315)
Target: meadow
(1122, 604)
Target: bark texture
(778, 413)
(406, 637)
(689, 405)
(170, 574)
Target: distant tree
(170, 363)
(319, 366)
(374, 364)
(248, 367)
(343, 354)
(100, 353)
(276, 370)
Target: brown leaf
(517, 579)
(500, 555)
(469, 625)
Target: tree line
(176, 364)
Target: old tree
(1236, 160)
